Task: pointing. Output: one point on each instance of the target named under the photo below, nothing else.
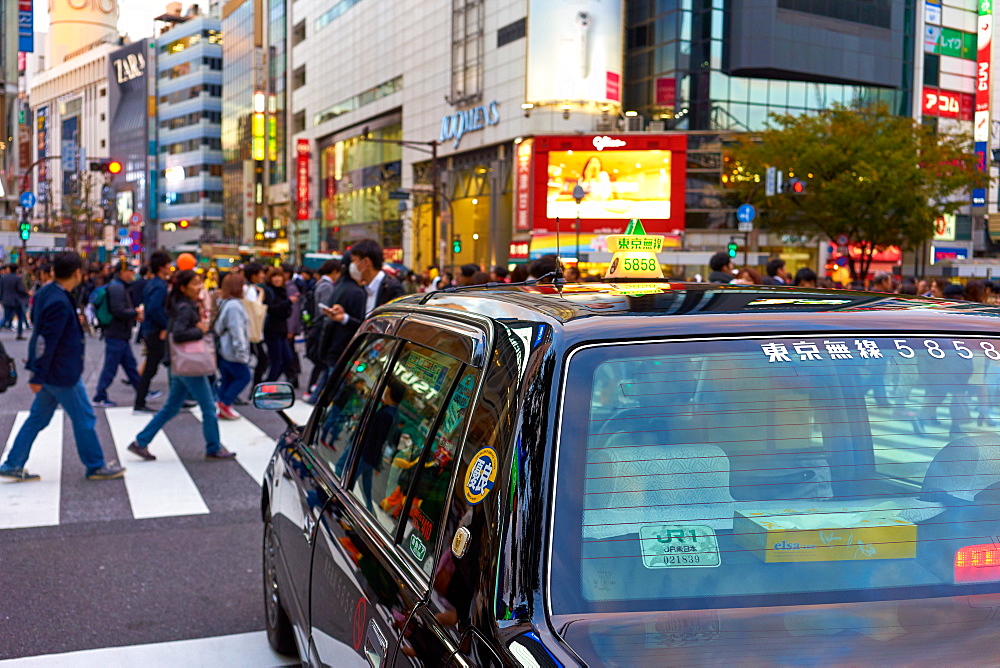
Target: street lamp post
(429, 147)
(578, 195)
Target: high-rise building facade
(189, 69)
(244, 104)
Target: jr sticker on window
(679, 546)
(481, 475)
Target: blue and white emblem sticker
(481, 476)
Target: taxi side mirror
(273, 396)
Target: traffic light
(456, 244)
(732, 248)
(185, 223)
(794, 186)
(25, 230)
(106, 166)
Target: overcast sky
(136, 16)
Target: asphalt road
(96, 577)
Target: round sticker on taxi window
(481, 475)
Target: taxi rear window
(781, 470)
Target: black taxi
(644, 473)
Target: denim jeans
(156, 348)
(74, 401)
(279, 350)
(116, 352)
(9, 311)
(233, 377)
(197, 387)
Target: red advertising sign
(984, 72)
(613, 88)
(302, 156)
(948, 104)
(666, 91)
(522, 206)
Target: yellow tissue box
(790, 535)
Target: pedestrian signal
(25, 231)
(456, 244)
(732, 248)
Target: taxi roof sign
(635, 253)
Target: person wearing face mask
(348, 297)
(366, 269)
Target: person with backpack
(55, 360)
(118, 333)
(187, 323)
(154, 327)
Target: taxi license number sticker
(869, 349)
(679, 546)
(417, 547)
(481, 476)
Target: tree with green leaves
(879, 179)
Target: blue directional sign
(28, 199)
(746, 213)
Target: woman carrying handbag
(192, 361)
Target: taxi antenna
(559, 265)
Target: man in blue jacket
(154, 326)
(118, 335)
(55, 359)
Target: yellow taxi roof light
(635, 253)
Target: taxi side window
(429, 489)
(392, 444)
(340, 416)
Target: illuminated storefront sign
(131, 66)
(948, 104)
(522, 205)
(302, 156)
(42, 136)
(257, 127)
(455, 126)
(984, 75)
(641, 178)
(25, 26)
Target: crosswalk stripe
(242, 649)
(162, 488)
(253, 447)
(35, 504)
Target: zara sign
(454, 126)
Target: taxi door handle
(374, 645)
(308, 524)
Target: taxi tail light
(978, 563)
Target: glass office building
(716, 68)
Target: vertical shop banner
(42, 138)
(25, 26)
(302, 156)
(522, 208)
(984, 76)
(575, 51)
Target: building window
(299, 32)
(104, 92)
(512, 32)
(103, 116)
(299, 122)
(299, 77)
(466, 52)
(104, 143)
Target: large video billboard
(575, 51)
(621, 177)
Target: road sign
(122, 231)
(135, 248)
(842, 261)
(745, 227)
(842, 239)
(399, 194)
(746, 213)
(135, 218)
(28, 199)
(135, 234)
(771, 182)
